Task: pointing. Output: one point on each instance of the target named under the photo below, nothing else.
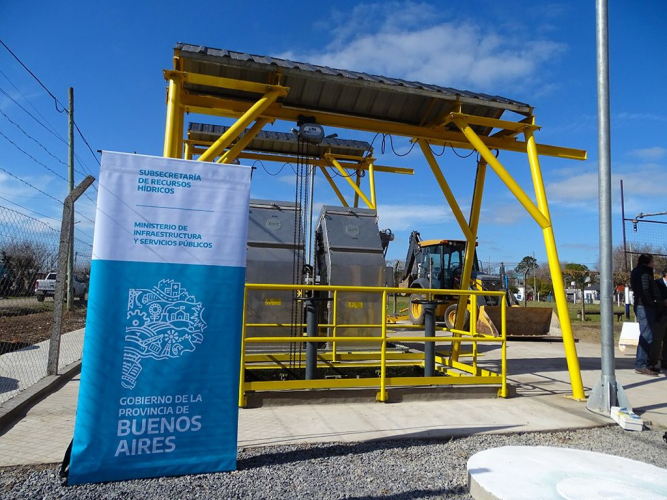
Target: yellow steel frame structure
(267, 107)
(452, 372)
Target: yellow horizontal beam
(434, 135)
(369, 382)
(369, 289)
(313, 161)
(483, 121)
(227, 83)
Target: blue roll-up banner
(159, 381)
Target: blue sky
(541, 53)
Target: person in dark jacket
(647, 307)
(659, 351)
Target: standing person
(647, 306)
(659, 351)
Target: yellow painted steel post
(504, 175)
(371, 182)
(173, 105)
(240, 125)
(335, 323)
(556, 275)
(382, 397)
(242, 398)
(188, 151)
(178, 132)
(332, 183)
(241, 144)
(503, 350)
(473, 330)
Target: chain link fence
(28, 256)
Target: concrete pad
(537, 369)
(529, 472)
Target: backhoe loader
(438, 264)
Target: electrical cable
(32, 157)
(43, 192)
(35, 77)
(25, 98)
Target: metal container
(349, 252)
(272, 253)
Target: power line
(55, 99)
(35, 77)
(32, 157)
(43, 192)
(28, 101)
(28, 209)
(39, 143)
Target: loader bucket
(524, 322)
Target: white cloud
(414, 42)
(404, 217)
(639, 183)
(649, 154)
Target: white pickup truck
(47, 287)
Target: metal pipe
(606, 393)
(429, 332)
(311, 331)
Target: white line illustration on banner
(163, 323)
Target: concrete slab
(537, 369)
(529, 472)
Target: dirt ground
(19, 331)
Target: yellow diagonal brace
(240, 125)
(333, 162)
(371, 182)
(456, 210)
(504, 175)
(241, 144)
(556, 275)
(333, 186)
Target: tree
(22, 261)
(582, 277)
(524, 267)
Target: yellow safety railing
(451, 370)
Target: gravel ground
(396, 470)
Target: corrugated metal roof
(281, 142)
(351, 93)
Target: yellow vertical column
(554, 267)
(173, 110)
(178, 131)
(371, 182)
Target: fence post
(61, 277)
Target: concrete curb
(19, 405)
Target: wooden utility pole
(70, 180)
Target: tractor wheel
(450, 317)
(416, 310)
